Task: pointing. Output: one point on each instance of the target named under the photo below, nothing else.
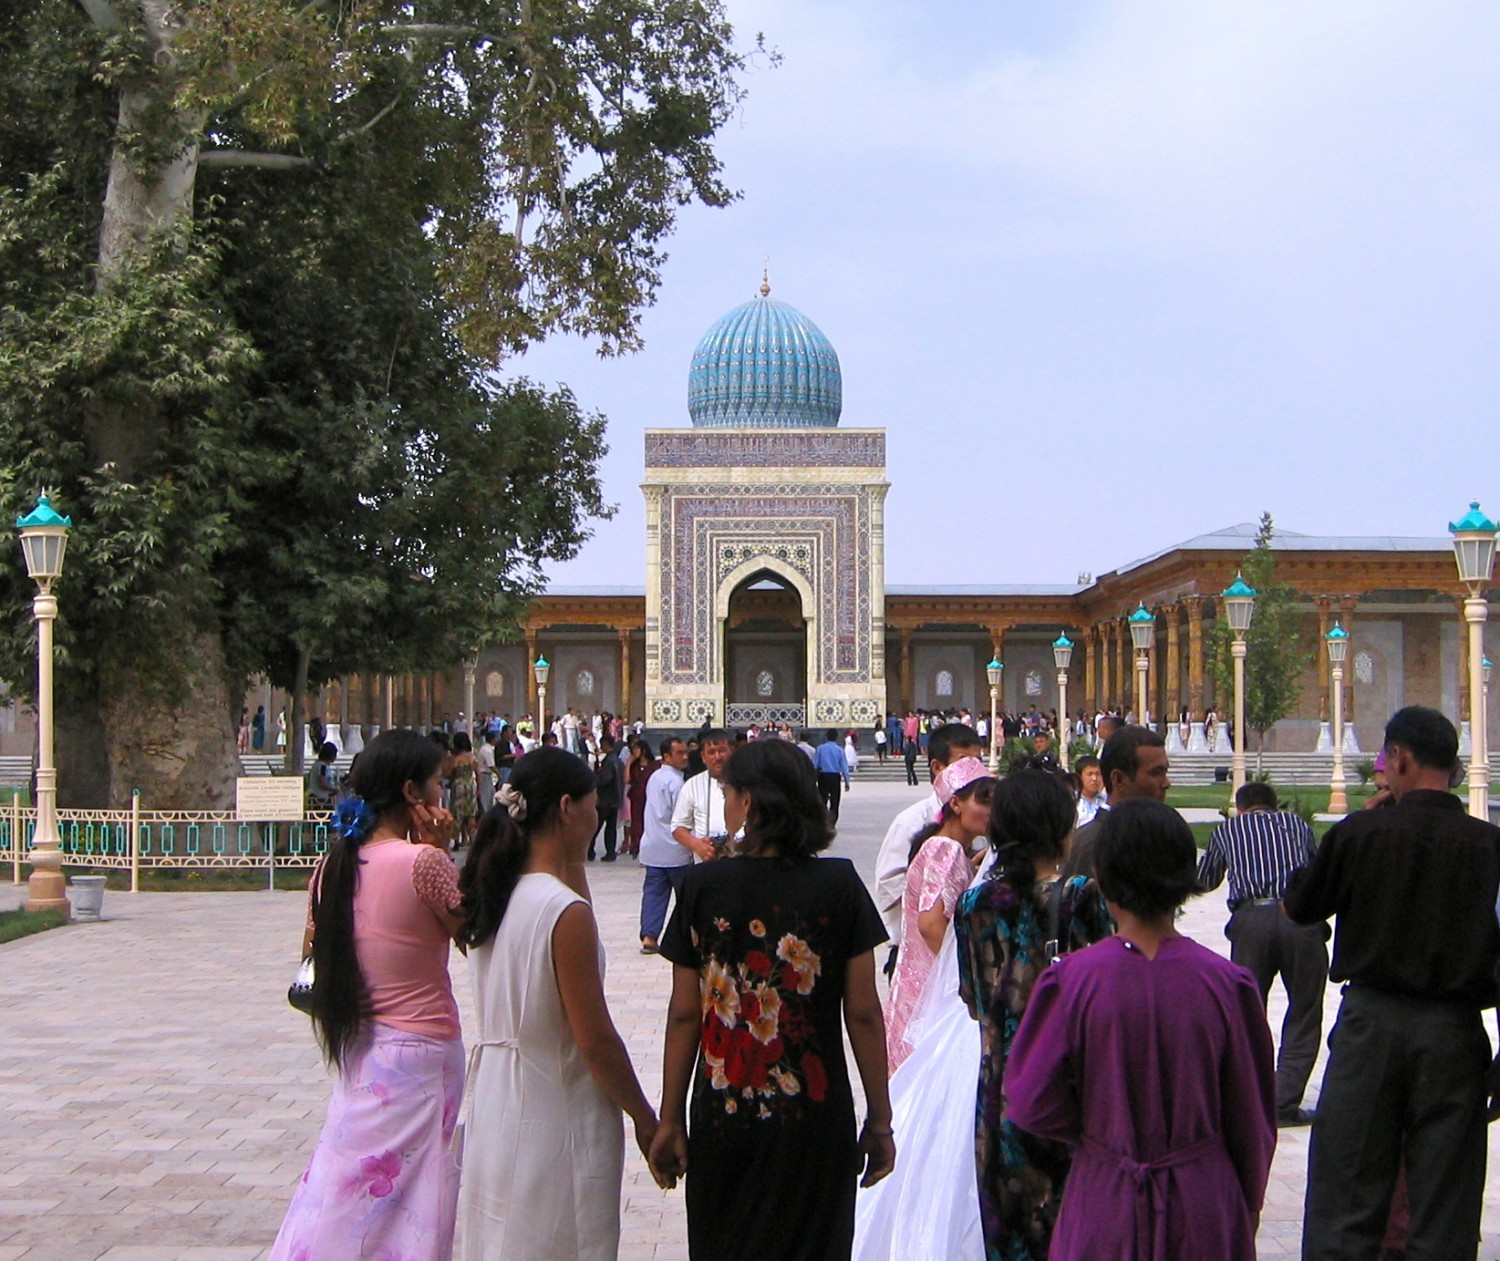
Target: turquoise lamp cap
(43, 515)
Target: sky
(1109, 273)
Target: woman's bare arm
(684, 1020)
(866, 1025)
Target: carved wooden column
(1124, 678)
(1090, 681)
(1171, 705)
(1346, 608)
(1153, 682)
(624, 634)
(1108, 660)
(1324, 605)
(1194, 606)
(907, 692)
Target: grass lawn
(18, 923)
(1214, 796)
(193, 879)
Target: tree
(1274, 655)
(258, 259)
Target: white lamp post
(1062, 654)
(1485, 711)
(1143, 635)
(540, 669)
(1239, 608)
(1338, 649)
(44, 539)
(470, 668)
(995, 671)
(1474, 550)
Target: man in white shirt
(698, 820)
(666, 860)
(947, 744)
(486, 759)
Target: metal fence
(137, 840)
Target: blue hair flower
(353, 818)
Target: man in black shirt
(1134, 764)
(1413, 887)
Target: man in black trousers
(1258, 850)
(1413, 887)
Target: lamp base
(47, 891)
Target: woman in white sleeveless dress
(540, 1137)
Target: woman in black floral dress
(773, 956)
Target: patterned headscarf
(957, 776)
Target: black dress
(772, 1150)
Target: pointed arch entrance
(765, 650)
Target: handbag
(299, 992)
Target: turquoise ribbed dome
(765, 365)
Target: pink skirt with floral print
(383, 1183)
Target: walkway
(158, 1098)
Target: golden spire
(765, 282)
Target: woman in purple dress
(1151, 1056)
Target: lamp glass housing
(1474, 546)
(1338, 645)
(43, 547)
(995, 671)
(1142, 629)
(1062, 651)
(541, 669)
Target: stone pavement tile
(180, 1104)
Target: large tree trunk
(82, 755)
(174, 742)
(173, 738)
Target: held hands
(877, 1150)
(668, 1154)
(431, 826)
(704, 848)
(645, 1131)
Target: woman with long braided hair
(382, 911)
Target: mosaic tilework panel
(820, 532)
(789, 448)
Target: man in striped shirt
(1259, 849)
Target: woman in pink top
(382, 911)
(940, 870)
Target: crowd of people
(1057, 1070)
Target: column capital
(1193, 602)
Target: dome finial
(765, 280)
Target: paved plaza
(159, 1099)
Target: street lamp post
(1474, 550)
(1143, 635)
(1338, 649)
(1484, 711)
(44, 539)
(1062, 654)
(995, 671)
(1239, 608)
(471, 666)
(540, 669)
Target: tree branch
(365, 126)
(443, 31)
(101, 14)
(260, 161)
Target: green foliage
(1274, 655)
(1079, 746)
(1365, 769)
(270, 405)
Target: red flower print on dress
(817, 1077)
(759, 963)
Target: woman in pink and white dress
(940, 869)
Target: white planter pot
(86, 893)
